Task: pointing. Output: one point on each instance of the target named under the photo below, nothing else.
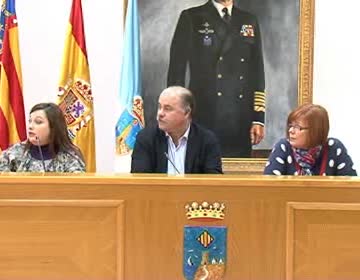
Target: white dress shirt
(219, 8)
(177, 154)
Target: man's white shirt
(177, 154)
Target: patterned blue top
(17, 159)
(282, 162)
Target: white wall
(42, 26)
(336, 68)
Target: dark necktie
(226, 16)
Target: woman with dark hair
(48, 147)
(307, 150)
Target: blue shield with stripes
(204, 252)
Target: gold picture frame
(305, 83)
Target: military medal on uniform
(207, 40)
(247, 30)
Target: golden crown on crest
(205, 210)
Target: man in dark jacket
(222, 46)
(176, 145)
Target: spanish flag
(12, 116)
(75, 96)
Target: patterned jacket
(334, 158)
(17, 159)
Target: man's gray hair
(186, 96)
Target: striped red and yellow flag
(12, 116)
(75, 96)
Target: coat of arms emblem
(204, 246)
(75, 100)
(204, 252)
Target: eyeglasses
(296, 127)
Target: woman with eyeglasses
(307, 150)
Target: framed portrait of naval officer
(273, 36)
